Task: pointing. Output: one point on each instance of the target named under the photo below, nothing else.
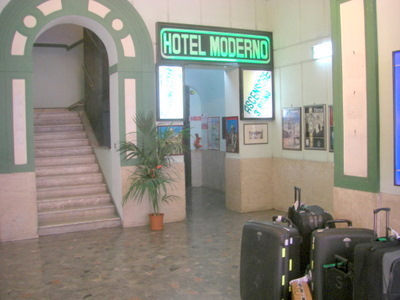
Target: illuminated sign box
(179, 42)
(257, 101)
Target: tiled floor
(196, 259)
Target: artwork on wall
(213, 133)
(331, 133)
(255, 133)
(257, 102)
(231, 131)
(291, 128)
(175, 128)
(314, 133)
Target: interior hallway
(196, 259)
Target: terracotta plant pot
(156, 221)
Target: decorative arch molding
(129, 48)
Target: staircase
(71, 192)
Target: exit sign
(177, 42)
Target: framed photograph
(314, 133)
(175, 128)
(291, 128)
(232, 134)
(213, 133)
(256, 91)
(255, 133)
(170, 93)
(331, 135)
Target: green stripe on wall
(371, 182)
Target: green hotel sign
(210, 44)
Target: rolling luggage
(338, 280)
(269, 259)
(306, 219)
(377, 266)
(328, 242)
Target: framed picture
(331, 134)
(232, 134)
(175, 128)
(291, 128)
(257, 101)
(213, 133)
(314, 133)
(255, 133)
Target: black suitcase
(328, 242)
(269, 259)
(306, 219)
(338, 280)
(377, 266)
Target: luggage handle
(387, 229)
(297, 198)
(329, 222)
(282, 219)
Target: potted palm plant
(153, 173)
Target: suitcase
(328, 242)
(338, 280)
(377, 266)
(269, 259)
(306, 219)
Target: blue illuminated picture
(396, 87)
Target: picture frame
(291, 128)
(315, 129)
(256, 133)
(176, 128)
(213, 133)
(232, 134)
(256, 94)
(331, 129)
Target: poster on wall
(213, 133)
(291, 128)
(396, 92)
(170, 93)
(175, 129)
(232, 134)
(314, 133)
(257, 101)
(331, 134)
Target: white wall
(58, 79)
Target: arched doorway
(132, 84)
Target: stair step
(67, 169)
(60, 135)
(52, 152)
(72, 190)
(81, 224)
(58, 128)
(70, 120)
(73, 201)
(55, 114)
(70, 179)
(76, 212)
(61, 143)
(65, 160)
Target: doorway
(208, 103)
